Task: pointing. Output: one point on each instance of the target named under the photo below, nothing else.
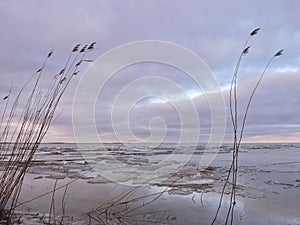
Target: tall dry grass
(238, 130)
(24, 122)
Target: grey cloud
(214, 30)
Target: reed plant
(238, 130)
(130, 207)
(24, 121)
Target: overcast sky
(214, 30)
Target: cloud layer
(214, 30)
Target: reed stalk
(25, 120)
(238, 130)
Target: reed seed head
(39, 70)
(62, 80)
(246, 50)
(91, 46)
(75, 48)
(83, 49)
(50, 53)
(62, 71)
(254, 32)
(77, 64)
(5, 97)
(279, 53)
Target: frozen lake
(268, 183)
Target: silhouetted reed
(24, 123)
(238, 130)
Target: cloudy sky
(214, 30)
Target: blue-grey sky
(215, 30)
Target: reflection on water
(268, 185)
